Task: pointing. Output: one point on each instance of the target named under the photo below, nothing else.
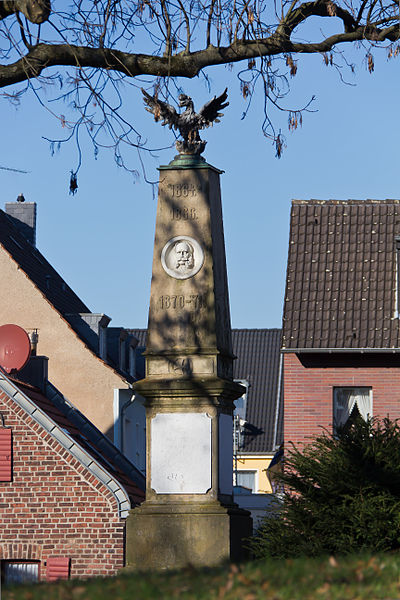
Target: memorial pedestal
(189, 516)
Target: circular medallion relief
(182, 257)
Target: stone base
(173, 536)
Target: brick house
(65, 490)
(91, 363)
(341, 334)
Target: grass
(342, 578)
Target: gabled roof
(90, 452)
(38, 269)
(341, 276)
(51, 285)
(258, 362)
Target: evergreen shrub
(341, 495)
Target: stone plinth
(189, 516)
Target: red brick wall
(54, 506)
(308, 394)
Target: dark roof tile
(341, 275)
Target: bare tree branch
(97, 46)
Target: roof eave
(67, 441)
(341, 350)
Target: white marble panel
(181, 453)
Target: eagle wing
(210, 112)
(161, 110)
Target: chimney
(23, 215)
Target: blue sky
(101, 239)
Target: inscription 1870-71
(194, 301)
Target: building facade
(65, 492)
(341, 334)
(91, 363)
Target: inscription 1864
(194, 301)
(183, 190)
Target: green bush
(342, 495)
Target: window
(240, 403)
(247, 479)
(348, 402)
(239, 417)
(14, 571)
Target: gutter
(64, 438)
(341, 350)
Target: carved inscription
(175, 477)
(184, 214)
(194, 301)
(183, 366)
(184, 190)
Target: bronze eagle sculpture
(188, 123)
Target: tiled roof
(38, 269)
(140, 335)
(341, 275)
(258, 362)
(258, 353)
(104, 453)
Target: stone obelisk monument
(188, 516)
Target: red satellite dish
(15, 347)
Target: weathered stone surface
(189, 318)
(183, 535)
(189, 516)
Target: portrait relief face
(184, 255)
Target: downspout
(278, 400)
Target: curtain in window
(346, 399)
(246, 479)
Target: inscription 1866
(184, 214)
(194, 301)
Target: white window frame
(252, 471)
(336, 388)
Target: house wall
(54, 506)
(309, 384)
(78, 373)
(260, 464)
